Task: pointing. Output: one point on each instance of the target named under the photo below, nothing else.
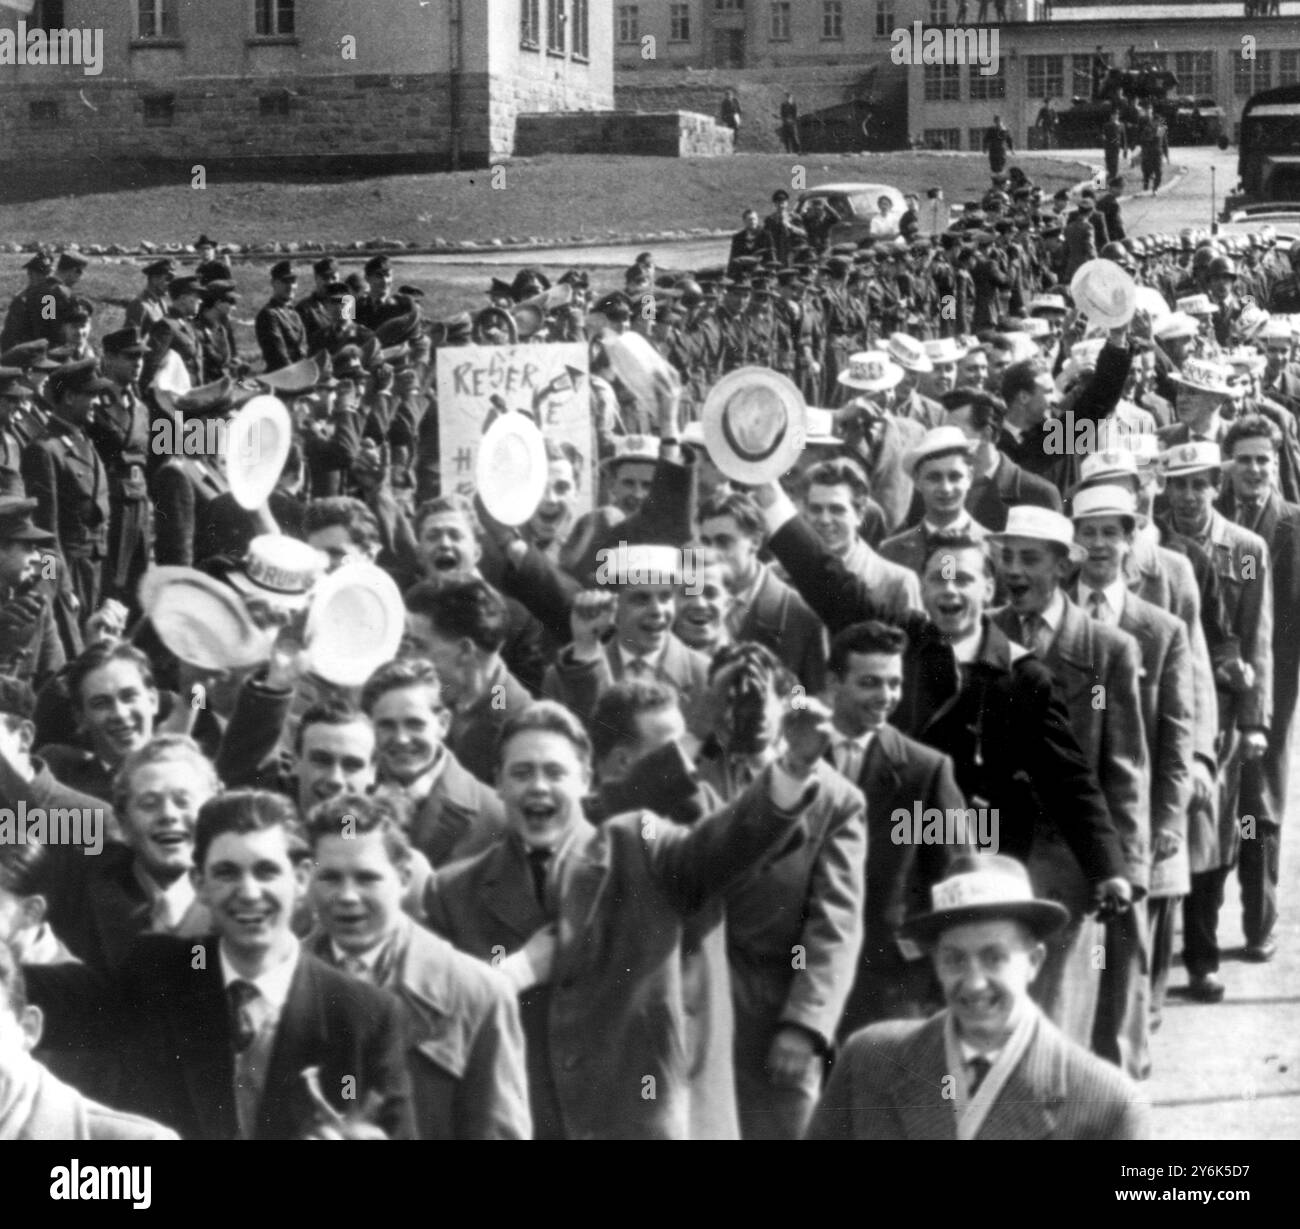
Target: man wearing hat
(909, 402)
(14, 395)
(783, 227)
(281, 332)
(1036, 553)
(381, 304)
(1251, 499)
(50, 301)
(315, 308)
(120, 431)
(150, 305)
(65, 476)
(990, 1065)
(176, 333)
(1241, 560)
(1203, 394)
(215, 331)
(15, 330)
(1105, 520)
(30, 647)
(32, 363)
(1080, 240)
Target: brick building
(351, 83)
(821, 48)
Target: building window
(629, 23)
(833, 19)
(579, 34)
(942, 138)
(47, 15)
(1250, 76)
(555, 22)
(530, 23)
(938, 13)
(45, 112)
(779, 27)
(1159, 60)
(984, 88)
(1081, 76)
(942, 83)
(1195, 71)
(885, 22)
(679, 23)
(1044, 76)
(728, 6)
(156, 19)
(1288, 68)
(159, 110)
(273, 18)
(273, 106)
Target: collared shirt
(850, 752)
(272, 985)
(967, 649)
(1113, 594)
(741, 602)
(167, 906)
(423, 786)
(652, 661)
(962, 524)
(368, 965)
(1016, 433)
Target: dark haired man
(465, 1048)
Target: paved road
(1230, 1071)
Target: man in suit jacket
(218, 1035)
(1251, 499)
(1105, 519)
(834, 499)
(766, 609)
(637, 737)
(969, 691)
(36, 1104)
(1014, 1075)
(1241, 559)
(901, 780)
(940, 467)
(1080, 239)
(593, 920)
(642, 645)
(465, 1046)
(805, 898)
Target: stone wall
(675, 134)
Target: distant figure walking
(997, 144)
(790, 125)
(731, 117)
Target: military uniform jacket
(281, 334)
(120, 433)
(64, 474)
(144, 312)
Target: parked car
(855, 204)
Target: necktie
(637, 668)
(1098, 606)
(1031, 625)
(979, 1067)
(161, 920)
(538, 862)
(850, 759)
(244, 1029)
(354, 966)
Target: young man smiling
(989, 1064)
(218, 1035)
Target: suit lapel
(925, 1111)
(200, 1029)
(1029, 1104)
(508, 892)
(299, 1032)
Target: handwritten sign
(549, 383)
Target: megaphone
(171, 380)
(257, 446)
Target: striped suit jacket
(890, 1083)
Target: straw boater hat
(279, 569)
(945, 350)
(1107, 500)
(1048, 305)
(936, 443)
(1043, 525)
(643, 449)
(1104, 293)
(982, 888)
(909, 353)
(1190, 459)
(1200, 375)
(1195, 305)
(511, 472)
(1176, 324)
(872, 371)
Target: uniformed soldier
(210, 268)
(32, 359)
(64, 474)
(218, 356)
(176, 332)
(380, 303)
(343, 328)
(14, 393)
(315, 309)
(51, 299)
(120, 431)
(150, 306)
(29, 643)
(15, 332)
(75, 346)
(281, 333)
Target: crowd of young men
(1000, 677)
